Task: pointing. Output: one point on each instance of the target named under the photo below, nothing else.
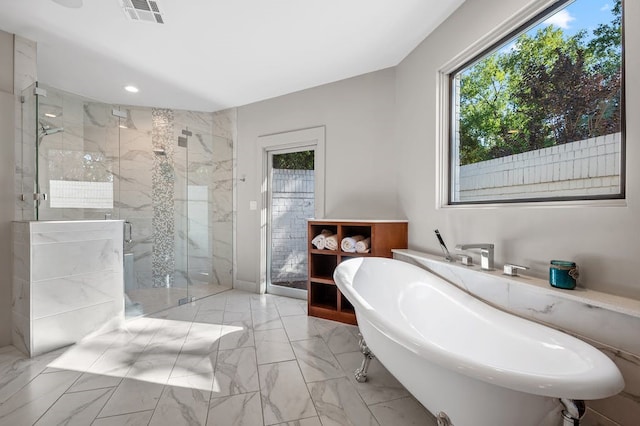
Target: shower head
(46, 130)
(51, 131)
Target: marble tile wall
(223, 195)
(68, 282)
(21, 288)
(607, 322)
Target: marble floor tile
(202, 381)
(80, 356)
(140, 418)
(404, 411)
(167, 341)
(263, 302)
(90, 381)
(7, 351)
(311, 421)
(238, 305)
(209, 316)
(180, 313)
(235, 410)
(380, 385)
(34, 399)
(208, 332)
(316, 360)
(236, 335)
(592, 418)
(232, 359)
(284, 394)
(233, 317)
(292, 307)
(154, 370)
(114, 362)
(236, 372)
(131, 396)
(339, 404)
(300, 327)
(134, 342)
(272, 346)
(194, 362)
(340, 338)
(77, 408)
(265, 320)
(16, 370)
(52, 370)
(203, 339)
(181, 406)
(216, 303)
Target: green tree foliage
(301, 160)
(547, 89)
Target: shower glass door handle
(128, 227)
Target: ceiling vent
(143, 11)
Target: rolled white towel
(319, 240)
(348, 244)
(331, 242)
(363, 246)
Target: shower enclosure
(166, 173)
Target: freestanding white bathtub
(459, 356)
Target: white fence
(587, 167)
(292, 204)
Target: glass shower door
(151, 168)
(166, 173)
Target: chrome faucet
(486, 254)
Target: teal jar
(563, 274)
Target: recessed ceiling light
(122, 126)
(48, 114)
(131, 89)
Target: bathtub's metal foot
(442, 419)
(361, 373)
(574, 410)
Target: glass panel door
(26, 159)
(291, 203)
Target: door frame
(297, 140)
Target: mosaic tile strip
(163, 189)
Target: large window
(540, 115)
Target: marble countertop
(589, 297)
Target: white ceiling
(215, 54)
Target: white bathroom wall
(360, 177)
(6, 182)
(602, 240)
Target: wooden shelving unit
(324, 298)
